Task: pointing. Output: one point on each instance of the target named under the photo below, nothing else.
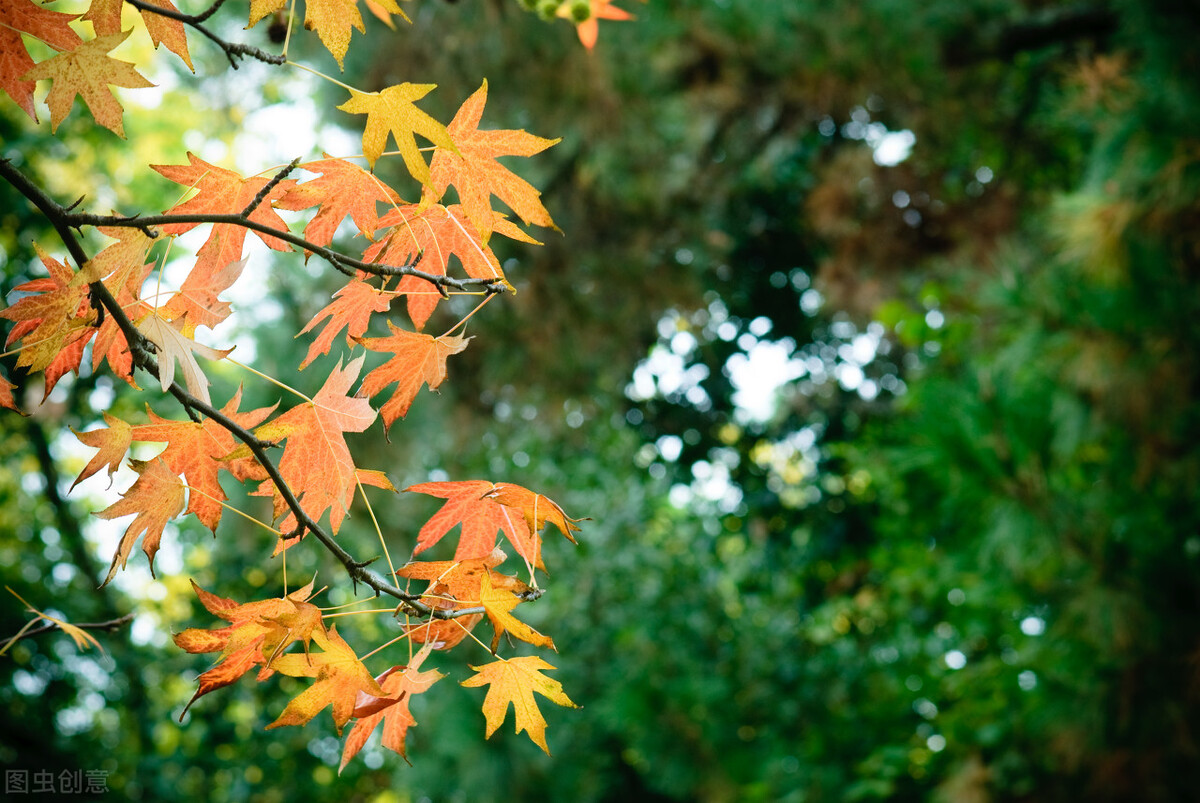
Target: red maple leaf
(25, 16)
(258, 632)
(223, 192)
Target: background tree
(957, 556)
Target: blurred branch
(110, 626)
(1051, 27)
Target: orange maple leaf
(392, 111)
(196, 451)
(417, 360)
(536, 509)
(87, 71)
(340, 677)
(105, 16)
(53, 316)
(476, 174)
(468, 503)
(56, 323)
(400, 683)
(351, 310)
(258, 632)
(514, 681)
(222, 192)
(589, 29)
(25, 16)
(344, 189)
(462, 579)
(113, 442)
(197, 301)
(433, 233)
(6, 395)
(155, 498)
(316, 462)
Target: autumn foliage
(111, 309)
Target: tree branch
(233, 50)
(344, 263)
(142, 351)
(109, 626)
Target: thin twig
(233, 50)
(109, 626)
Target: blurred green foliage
(958, 558)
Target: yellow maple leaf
(392, 111)
(514, 681)
(88, 71)
(340, 676)
(498, 603)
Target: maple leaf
(498, 603)
(434, 234)
(468, 504)
(167, 31)
(454, 585)
(344, 189)
(383, 11)
(400, 683)
(340, 677)
(476, 174)
(417, 360)
(155, 498)
(196, 452)
(54, 314)
(514, 681)
(463, 579)
(351, 310)
(105, 16)
(258, 632)
(589, 29)
(6, 395)
(536, 509)
(113, 442)
(174, 347)
(316, 462)
(392, 111)
(442, 634)
(87, 71)
(197, 301)
(25, 16)
(111, 344)
(221, 192)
